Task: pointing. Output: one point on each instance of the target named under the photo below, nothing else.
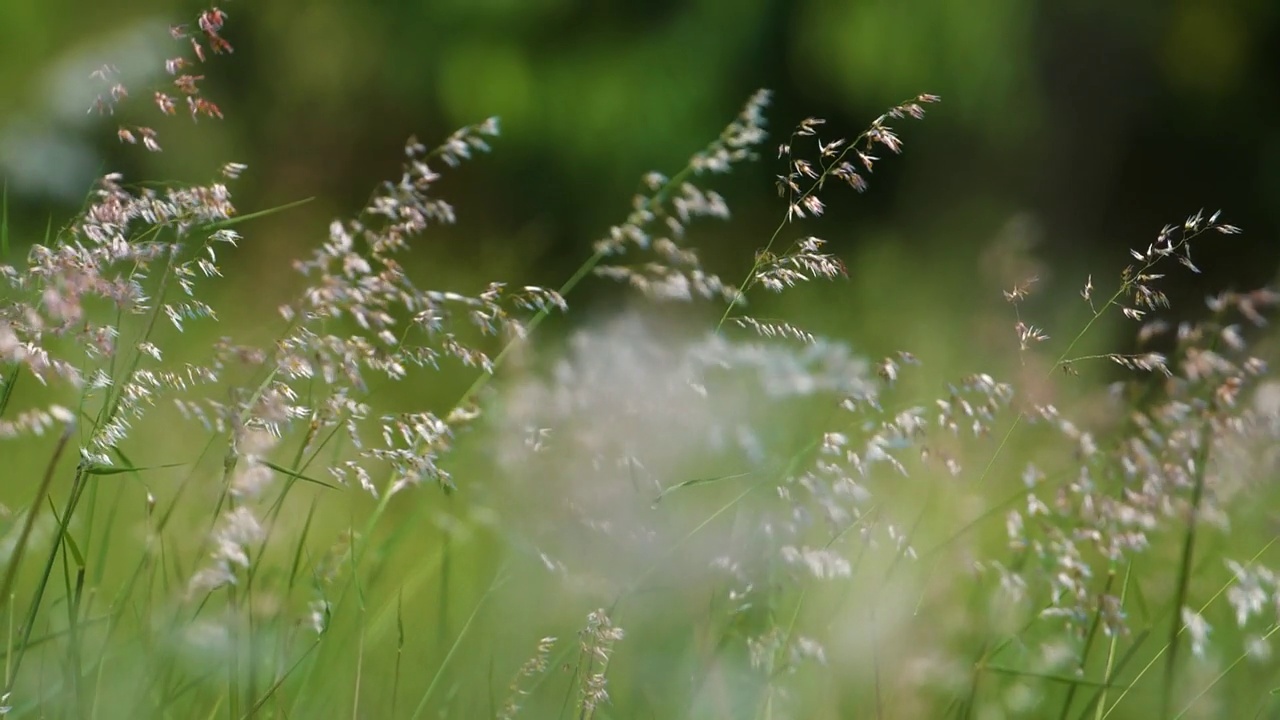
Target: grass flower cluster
(735, 516)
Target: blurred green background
(1089, 123)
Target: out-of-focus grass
(443, 599)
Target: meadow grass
(705, 512)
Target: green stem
(1184, 567)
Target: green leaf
(697, 481)
(69, 541)
(7, 386)
(286, 471)
(117, 470)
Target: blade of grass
(271, 691)
(1097, 703)
(37, 598)
(73, 588)
(297, 475)
(1235, 663)
(395, 675)
(301, 546)
(1203, 607)
(1071, 680)
(1088, 646)
(6, 392)
(60, 634)
(697, 482)
(1099, 700)
(442, 597)
(24, 537)
(4, 221)
(496, 583)
(104, 470)
(1184, 567)
(355, 702)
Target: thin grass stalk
(24, 537)
(29, 623)
(792, 201)
(147, 565)
(578, 276)
(1222, 589)
(1088, 646)
(355, 701)
(275, 687)
(38, 596)
(1095, 704)
(73, 588)
(115, 393)
(8, 656)
(8, 385)
(233, 660)
(104, 544)
(968, 700)
(442, 604)
(395, 675)
(4, 220)
(1099, 701)
(498, 581)
(254, 645)
(1184, 567)
(1213, 683)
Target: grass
(728, 515)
